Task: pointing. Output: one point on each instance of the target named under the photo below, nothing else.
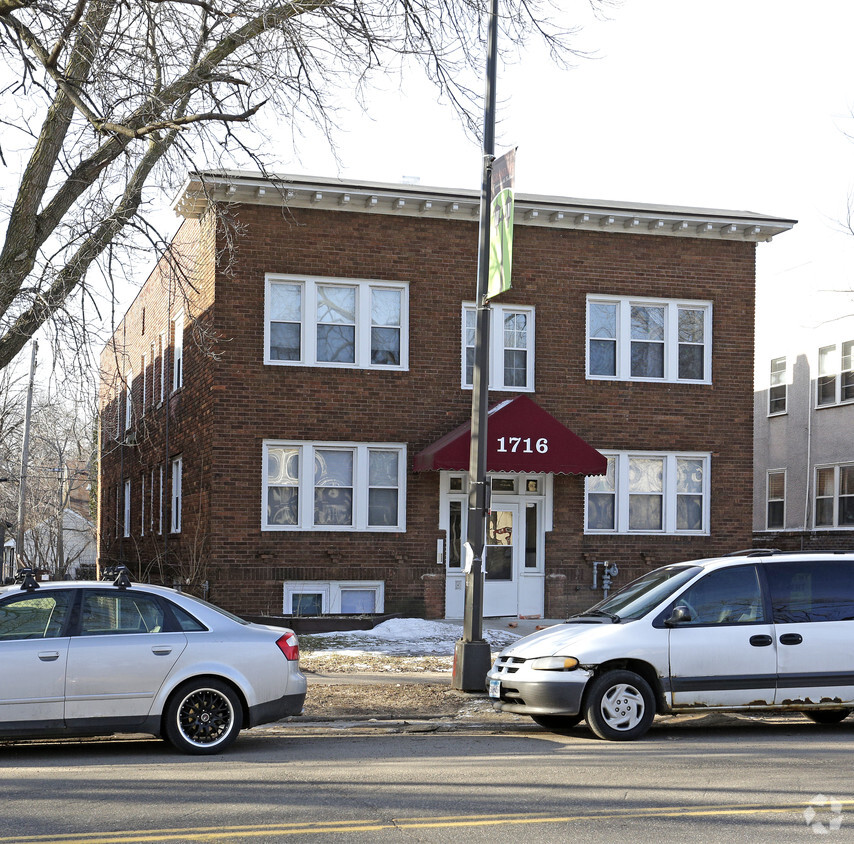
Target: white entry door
(503, 553)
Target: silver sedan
(96, 658)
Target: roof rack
(119, 574)
(27, 579)
(754, 552)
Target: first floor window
(834, 496)
(126, 526)
(650, 493)
(333, 486)
(648, 339)
(177, 480)
(776, 500)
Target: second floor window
(129, 401)
(511, 347)
(835, 374)
(336, 322)
(178, 353)
(777, 392)
(649, 339)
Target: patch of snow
(401, 637)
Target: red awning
(522, 437)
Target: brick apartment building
(285, 403)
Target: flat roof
(412, 200)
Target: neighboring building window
(650, 493)
(649, 339)
(177, 472)
(835, 374)
(834, 496)
(178, 353)
(151, 507)
(126, 528)
(334, 486)
(778, 390)
(511, 347)
(160, 502)
(336, 322)
(142, 505)
(776, 498)
(129, 400)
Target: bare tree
(113, 100)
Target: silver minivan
(759, 630)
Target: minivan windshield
(637, 598)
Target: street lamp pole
(472, 656)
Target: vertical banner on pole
(501, 224)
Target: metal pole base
(472, 660)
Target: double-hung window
(649, 339)
(129, 400)
(336, 322)
(334, 486)
(178, 352)
(645, 492)
(126, 521)
(511, 347)
(835, 374)
(778, 390)
(177, 493)
(776, 500)
(834, 496)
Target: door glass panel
(499, 545)
(819, 591)
(455, 526)
(34, 617)
(728, 596)
(531, 536)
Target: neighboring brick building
(309, 372)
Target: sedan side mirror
(680, 614)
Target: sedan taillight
(289, 646)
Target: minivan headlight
(555, 663)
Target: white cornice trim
(239, 187)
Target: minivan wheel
(827, 716)
(557, 722)
(203, 717)
(620, 706)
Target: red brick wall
(230, 405)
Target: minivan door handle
(791, 639)
(761, 641)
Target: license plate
(495, 688)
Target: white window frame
(151, 506)
(143, 371)
(162, 360)
(178, 352)
(361, 452)
(160, 498)
(142, 504)
(768, 498)
(671, 341)
(669, 493)
(837, 494)
(839, 367)
(308, 320)
(496, 346)
(126, 524)
(330, 592)
(129, 400)
(176, 496)
(778, 380)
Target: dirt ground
(395, 699)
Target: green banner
(501, 224)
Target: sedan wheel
(620, 706)
(203, 717)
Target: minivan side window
(815, 591)
(725, 596)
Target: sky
(737, 104)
